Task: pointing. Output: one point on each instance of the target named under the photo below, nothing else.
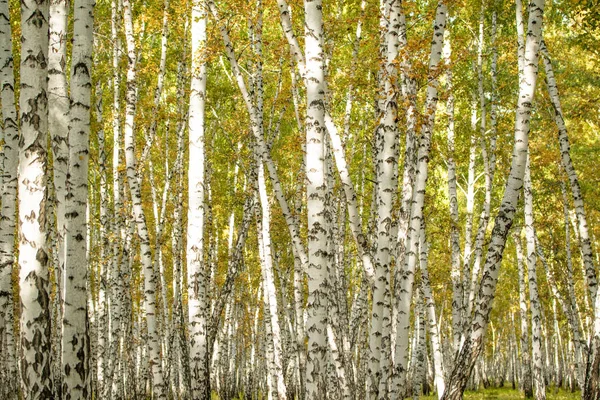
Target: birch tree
(526, 377)
(139, 217)
(75, 335)
(405, 286)
(33, 250)
(316, 192)
(536, 309)
(8, 223)
(197, 280)
(465, 359)
(387, 181)
(58, 117)
(317, 300)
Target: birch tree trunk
(405, 286)
(526, 378)
(536, 312)
(10, 164)
(139, 217)
(570, 306)
(36, 382)
(199, 307)
(591, 390)
(337, 147)
(75, 335)
(387, 182)
(465, 359)
(103, 326)
(316, 191)
(273, 333)
(118, 298)
(269, 290)
(58, 119)
(567, 164)
(432, 326)
(489, 164)
(592, 376)
(457, 289)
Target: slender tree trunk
(105, 268)
(58, 120)
(536, 312)
(197, 281)
(567, 163)
(432, 326)
(117, 289)
(489, 164)
(10, 164)
(270, 299)
(457, 289)
(75, 339)
(570, 307)
(263, 148)
(419, 353)
(405, 286)
(133, 179)
(36, 381)
(591, 389)
(264, 226)
(592, 375)
(316, 192)
(387, 182)
(579, 345)
(465, 360)
(526, 377)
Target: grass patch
(507, 393)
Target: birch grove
(281, 199)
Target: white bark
(387, 182)
(264, 226)
(33, 252)
(432, 326)
(567, 164)
(457, 287)
(592, 376)
(409, 92)
(536, 311)
(465, 360)
(489, 163)
(199, 307)
(526, 377)
(116, 294)
(337, 147)
(75, 339)
(316, 192)
(405, 286)
(269, 292)
(153, 345)
(102, 326)
(419, 350)
(569, 305)
(10, 160)
(58, 119)
(468, 247)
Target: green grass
(507, 393)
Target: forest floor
(504, 393)
(507, 393)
